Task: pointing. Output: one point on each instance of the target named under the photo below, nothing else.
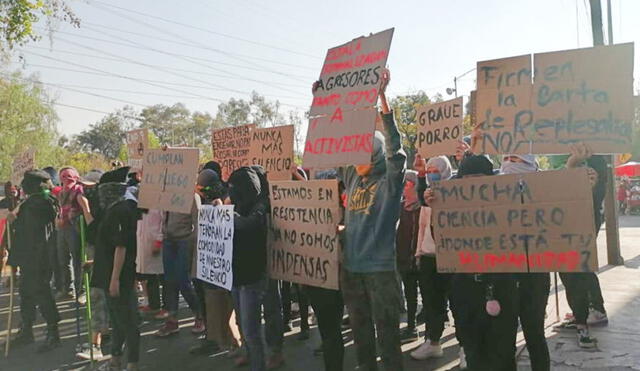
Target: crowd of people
(388, 253)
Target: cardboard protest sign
(439, 128)
(22, 163)
(272, 148)
(215, 245)
(231, 147)
(348, 141)
(304, 245)
(563, 98)
(137, 143)
(536, 222)
(169, 179)
(351, 73)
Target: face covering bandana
(509, 167)
(69, 177)
(433, 177)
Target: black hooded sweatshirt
(250, 227)
(35, 232)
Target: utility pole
(610, 205)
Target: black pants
(328, 306)
(596, 300)
(156, 298)
(411, 281)
(435, 291)
(577, 290)
(533, 290)
(199, 288)
(286, 289)
(489, 342)
(124, 319)
(36, 292)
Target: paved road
(619, 343)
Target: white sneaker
(426, 351)
(597, 318)
(463, 359)
(97, 354)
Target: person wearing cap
(73, 203)
(114, 268)
(369, 279)
(35, 235)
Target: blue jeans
(176, 262)
(69, 259)
(247, 300)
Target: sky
(203, 52)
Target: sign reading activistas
(567, 97)
(272, 148)
(137, 143)
(22, 163)
(304, 245)
(169, 179)
(231, 147)
(340, 129)
(215, 245)
(516, 223)
(439, 128)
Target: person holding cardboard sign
(583, 288)
(484, 305)
(369, 279)
(533, 288)
(434, 285)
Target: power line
(167, 70)
(191, 45)
(208, 31)
(159, 29)
(137, 79)
(167, 67)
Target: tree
(257, 111)
(404, 112)
(27, 120)
(17, 18)
(107, 135)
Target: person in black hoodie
(249, 259)
(115, 263)
(35, 235)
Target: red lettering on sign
(337, 115)
(549, 260)
(344, 144)
(329, 100)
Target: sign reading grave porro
(215, 245)
(303, 240)
(439, 128)
(536, 222)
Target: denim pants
(248, 301)
(176, 262)
(374, 298)
(69, 259)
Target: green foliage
(106, 136)
(404, 112)
(17, 18)
(257, 111)
(27, 120)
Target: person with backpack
(115, 264)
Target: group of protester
(385, 252)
